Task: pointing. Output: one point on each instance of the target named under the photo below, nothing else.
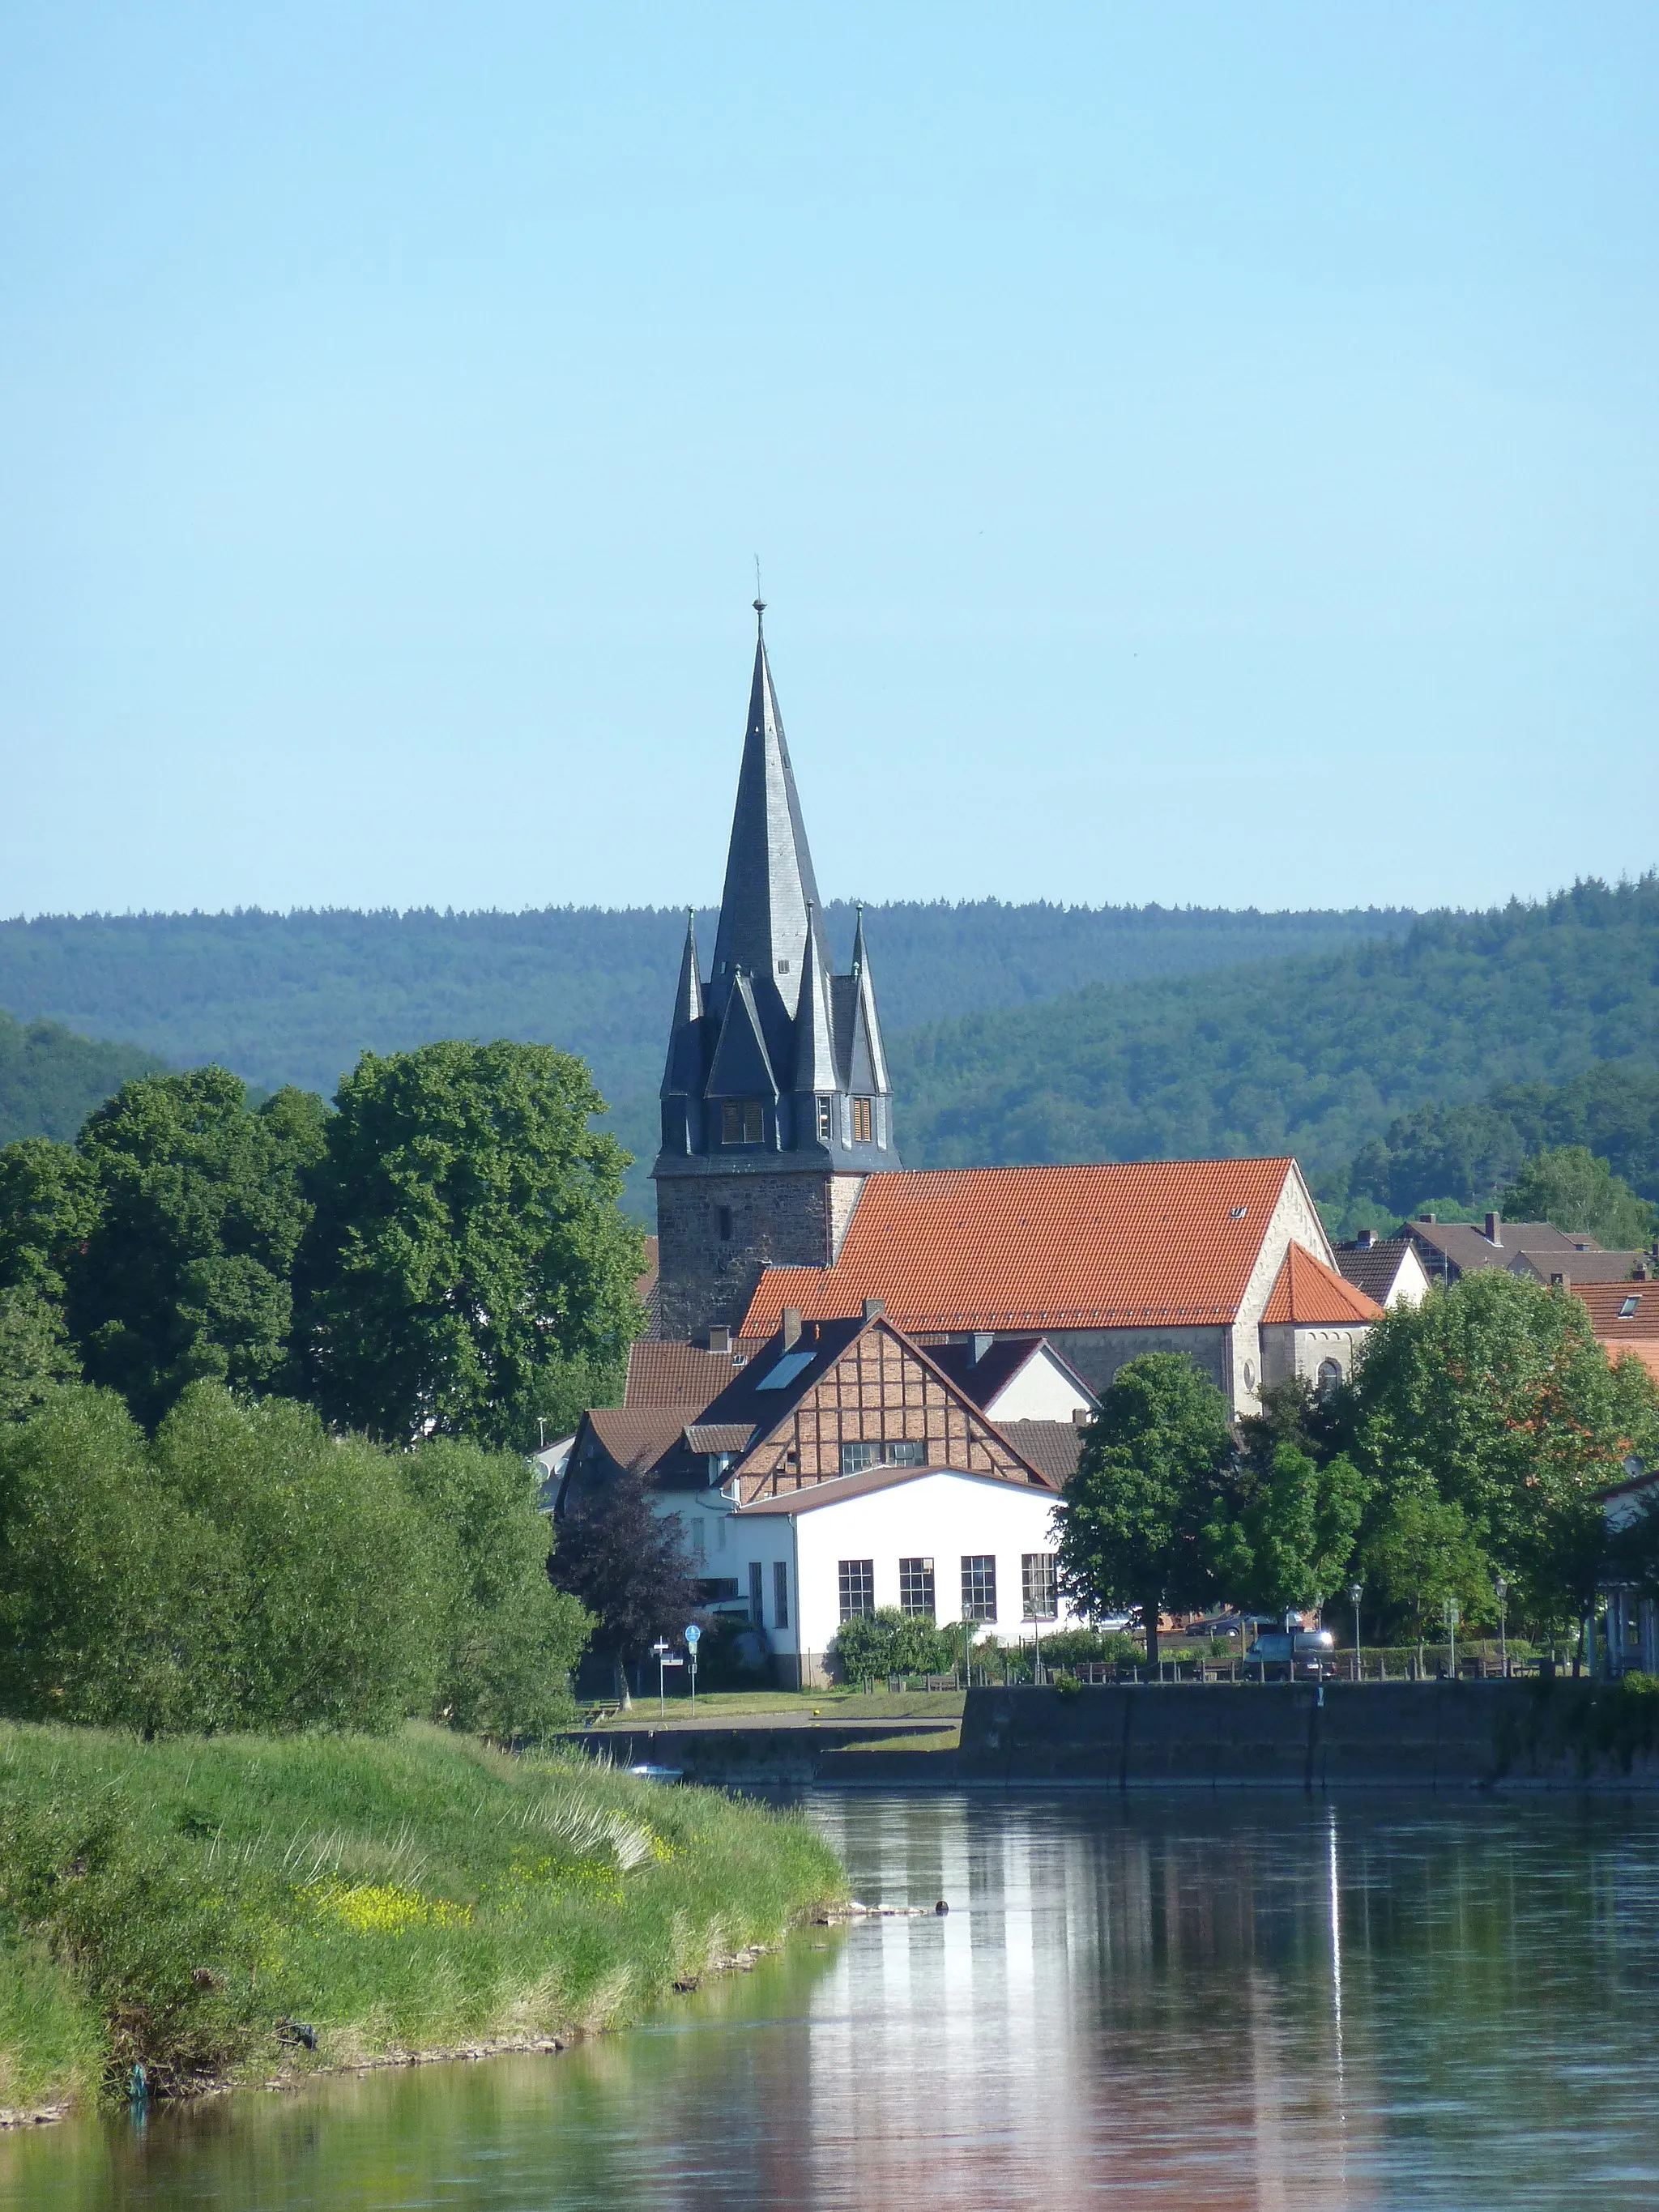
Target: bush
(1067, 1646)
(874, 1645)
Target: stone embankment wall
(1434, 1736)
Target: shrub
(873, 1645)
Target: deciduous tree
(628, 1566)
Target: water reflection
(1198, 2004)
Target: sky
(1199, 453)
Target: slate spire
(815, 1046)
(768, 908)
(868, 1059)
(683, 1076)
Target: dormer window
(863, 1122)
(743, 1121)
(823, 1121)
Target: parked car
(1308, 1653)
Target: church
(864, 1384)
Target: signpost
(693, 1637)
(664, 1657)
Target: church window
(979, 1586)
(857, 1581)
(862, 1120)
(1330, 1375)
(823, 1121)
(916, 1587)
(723, 1215)
(743, 1121)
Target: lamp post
(693, 1637)
(1354, 1593)
(1502, 1589)
(1451, 1632)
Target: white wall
(938, 1516)
(1042, 1391)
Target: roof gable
(1125, 1244)
(1308, 1294)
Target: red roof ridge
(1309, 1294)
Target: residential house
(1450, 1249)
(1387, 1268)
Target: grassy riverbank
(195, 1904)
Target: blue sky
(1203, 453)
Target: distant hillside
(50, 1079)
(296, 998)
(1315, 1056)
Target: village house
(1387, 1268)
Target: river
(1196, 2003)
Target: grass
(205, 1905)
(718, 1707)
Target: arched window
(1330, 1377)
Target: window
(783, 967)
(699, 1542)
(855, 1458)
(916, 1587)
(1037, 1585)
(979, 1586)
(823, 1121)
(1330, 1377)
(905, 1451)
(743, 1121)
(724, 1216)
(756, 1594)
(1627, 1308)
(791, 1364)
(780, 1594)
(857, 1580)
(863, 1127)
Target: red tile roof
(1605, 1301)
(1127, 1244)
(1313, 1296)
(1646, 1350)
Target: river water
(1152, 2001)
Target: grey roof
(1372, 1267)
(683, 1076)
(815, 1044)
(980, 1379)
(1577, 1266)
(1466, 1248)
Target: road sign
(693, 1635)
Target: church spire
(770, 890)
(682, 1076)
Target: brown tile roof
(666, 1372)
(1593, 1266)
(1121, 1245)
(1309, 1294)
(636, 1437)
(858, 1485)
(1606, 1301)
(1465, 1242)
(1373, 1266)
(1051, 1447)
(720, 1436)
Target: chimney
(1430, 1218)
(1366, 1239)
(790, 1328)
(1081, 1417)
(1561, 1282)
(983, 1342)
(719, 1339)
(874, 1308)
(1494, 1230)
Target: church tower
(775, 1099)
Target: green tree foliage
(200, 1209)
(628, 1567)
(1289, 1543)
(1495, 1397)
(50, 1079)
(244, 1568)
(1148, 1481)
(1314, 1056)
(1422, 1554)
(35, 1358)
(50, 1205)
(873, 1645)
(509, 1639)
(468, 1269)
(1572, 1189)
(1469, 1153)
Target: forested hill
(1314, 1056)
(296, 998)
(51, 1080)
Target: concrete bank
(892, 1753)
(1432, 1735)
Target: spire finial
(759, 602)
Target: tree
(201, 1207)
(1572, 1189)
(509, 1641)
(1147, 1481)
(1422, 1554)
(1494, 1396)
(1290, 1544)
(628, 1566)
(468, 1269)
(35, 1356)
(49, 1204)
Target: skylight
(785, 1372)
(1627, 1308)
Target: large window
(1037, 1585)
(905, 1451)
(857, 1579)
(916, 1587)
(743, 1121)
(888, 1451)
(780, 1594)
(756, 1594)
(979, 1586)
(863, 1122)
(1330, 1377)
(855, 1458)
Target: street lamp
(1502, 1589)
(1354, 1593)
